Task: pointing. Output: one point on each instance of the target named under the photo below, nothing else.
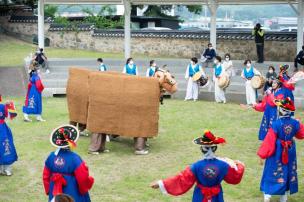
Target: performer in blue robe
(33, 101)
(279, 150)
(284, 78)
(269, 108)
(130, 68)
(65, 171)
(8, 154)
(207, 174)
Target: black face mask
(205, 149)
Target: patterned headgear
(286, 104)
(64, 136)
(284, 68)
(209, 139)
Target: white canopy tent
(297, 5)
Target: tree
(50, 11)
(157, 11)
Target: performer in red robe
(279, 150)
(207, 174)
(65, 171)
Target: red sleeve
(234, 176)
(300, 133)
(270, 99)
(85, 182)
(180, 183)
(261, 106)
(46, 179)
(39, 85)
(288, 85)
(269, 145)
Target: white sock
(26, 116)
(267, 197)
(283, 198)
(39, 117)
(7, 168)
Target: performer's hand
(154, 185)
(239, 162)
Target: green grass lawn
(122, 176)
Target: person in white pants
(248, 73)
(219, 71)
(192, 87)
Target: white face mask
(248, 65)
(216, 62)
(227, 59)
(270, 71)
(131, 62)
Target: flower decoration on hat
(209, 138)
(286, 104)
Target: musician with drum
(219, 71)
(192, 86)
(151, 70)
(248, 74)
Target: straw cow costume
(279, 150)
(65, 171)
(8, 154)
(207, 174)
(77, 97)
(117, 104)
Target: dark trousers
(260, 52)
(140, 143)
(98, 142)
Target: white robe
(251, 93)
(219, 93)
(192, 86)
(228, 67)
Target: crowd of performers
(66, 175)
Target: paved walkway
(12, 81)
